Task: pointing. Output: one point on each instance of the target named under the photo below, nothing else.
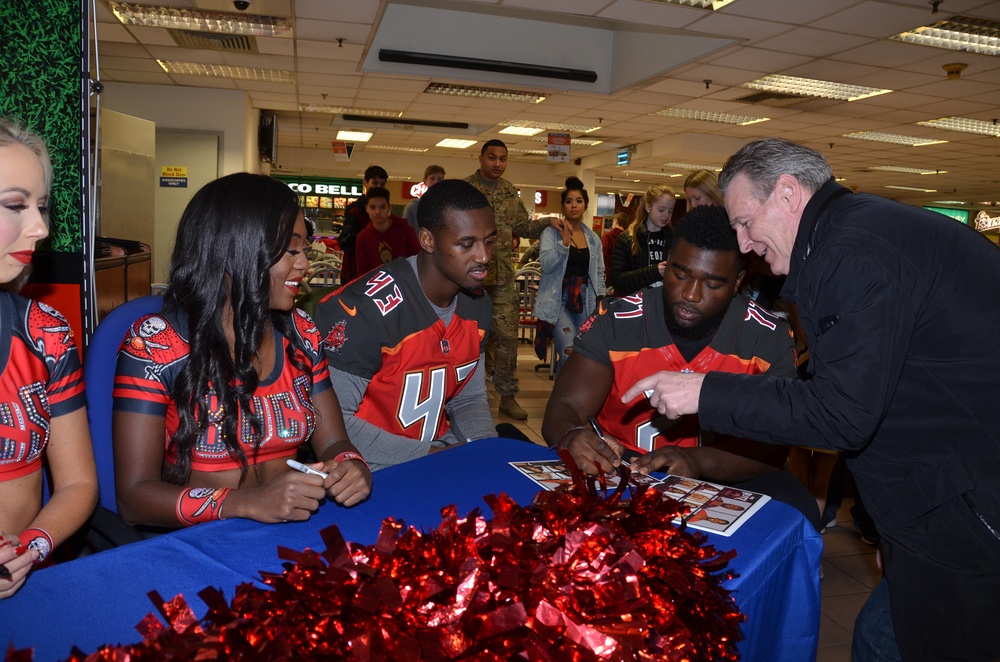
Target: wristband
(576, 428)
(351, 455)
(201, 504)
(38, 540)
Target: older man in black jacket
(901, 312)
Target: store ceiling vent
(233, 43)
(470, 42)
(776, 99)
(407, 124)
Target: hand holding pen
(14, 565)
(590, 448)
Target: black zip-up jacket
(901, 309)
(631, 272)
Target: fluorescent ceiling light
(455, 143)
(651, 173)
(589, 142)
(345, 110)
(965, 125)
(959, 33)
(552, 126)
(912, 188)
(396, 148)
(808, 87)
(498, 93)
(226, 71)
(521, 130)
(201, 20)
(895, 138)
(950, 202)
(356, 136)
(909, 171)
(530, 152)
(714, 5)
(691, 166)
(707, 116)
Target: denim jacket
(553, 256)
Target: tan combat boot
(509, 407)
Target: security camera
(242, 5)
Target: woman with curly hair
(216, 392)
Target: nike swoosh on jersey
(352, 311)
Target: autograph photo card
(715, 508)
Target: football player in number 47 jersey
(405, 342)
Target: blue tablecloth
(99, 599)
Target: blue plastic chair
(99, 372)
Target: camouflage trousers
(504, 338)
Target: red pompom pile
(575, 576)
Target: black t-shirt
(658, 246)
(578, 262)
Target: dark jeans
(874, 637)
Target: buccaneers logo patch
(337, 337)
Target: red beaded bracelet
(351, 455)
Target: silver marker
(298, 466)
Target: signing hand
(17, 566)
(674, 394)
(589, 451)
(349, 482)
(288, 497)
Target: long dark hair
(231, 233)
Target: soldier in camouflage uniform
(511, 218)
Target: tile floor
(849, 570)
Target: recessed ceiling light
(521, 130)
(530, 152)
(218, 22)
(355, 136)
(552, 126)
(484, 92)
(707, 116)
(965, 125)
(455, 143)
(590, 142)
(959, 33)
(895, 138)
(809, 87)
(909, 171)
(912, 188)
(345, 110)
(396, 148)
(691, 166)
(226, 71)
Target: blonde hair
(13, 133)
(653, 193)
(706, 182)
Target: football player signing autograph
(695, 323)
